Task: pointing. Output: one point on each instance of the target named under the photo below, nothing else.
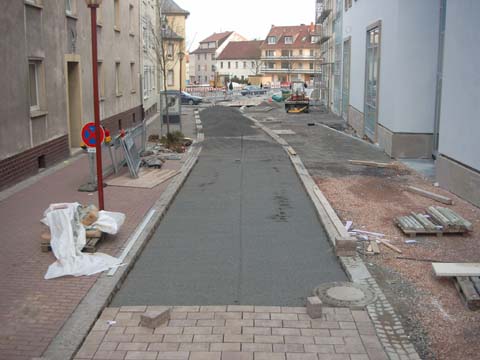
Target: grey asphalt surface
(241, 231)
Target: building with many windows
(239, 59)
(47, 73)
(203, 59)
(290, 53)
(407, 80)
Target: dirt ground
(439, 324)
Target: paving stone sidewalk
(234, 332)
(32, 309)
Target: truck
(298, 101)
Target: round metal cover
(345, 294)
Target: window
(133, 78)
(144, 34)
(244, 64)
(198, 56)
(131, 20)
(145, 81)
(236, 64)
(70, 7)
(312, 52)
(271, 40)
(221, 65)
(170, 78)
(212, 56)
(101, 80)
(118, 84)
(311, 66)
(33, 77)
(271, 65)
(116, 12)
(300, 66)
(253, 64)
(229, 64)
(285, 65)
(198, 67)
(170, 50)
(211, 45)
(206, 79)
(270, 53)
(288, 40)
(315, 39)
(287, 53)
(205, 55)
(213, 67)
(300, 52)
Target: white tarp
(68, 237)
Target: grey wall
(459, 122)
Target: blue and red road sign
(88, 134)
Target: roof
(241, 50)
(204, 51)
(220, 37)
(301, 35)
(170, 7)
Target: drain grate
(345, 294)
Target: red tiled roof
(241, 50)
(217, 36)
(301, 37)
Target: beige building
(172, 29)
(47, 75)
(290, 53)
(148, 58)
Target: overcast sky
(250, 18)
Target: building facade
(47, 66)
(148, 58)
(290, 53)
(172, 34)
(239, 59)
(203, 60)
(408, 82)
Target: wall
(409, 40)
(459, 120)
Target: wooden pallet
(437, 221)
(469, 290)
(90, 247)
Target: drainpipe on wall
(438, 92)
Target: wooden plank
(430, 195)
(375, 248)
(456, 269)
(393, 247)
(467, 292)
(373, 164)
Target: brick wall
(126, 119)
(27, 163)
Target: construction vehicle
(298, 102)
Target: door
(74, 104)
(346, 79)
(372, 81)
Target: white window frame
(271, 40)
(145, 80)
(133, 77)
(290, 40)
(118, 81)
(170, 78)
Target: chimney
(312, 27)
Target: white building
(409, 82)
(239, 59)
(203, 60)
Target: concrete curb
(387, 324)
(76, 328)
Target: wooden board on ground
(430, 195)
(468, 292)
(90, 246)
(148, 178)
(456, 269)
(373, 164)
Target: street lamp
(181, 55)
(93, 5)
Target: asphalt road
(241, 231)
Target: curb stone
(72, 334)
(387, 324)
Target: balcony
(294, 58)
(289, 71)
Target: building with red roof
(240, 59)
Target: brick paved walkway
(32, 310)
(234, 333)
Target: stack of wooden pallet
(437, 220)
(466, 277)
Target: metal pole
(96, 106)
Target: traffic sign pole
(96, 108)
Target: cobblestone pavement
(235, 332)
(32, 310)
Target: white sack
(68, 239)
(109, 221)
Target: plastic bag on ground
(68, 238)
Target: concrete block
(314, 307)
(154, 319)
(345, 247)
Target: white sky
(250, 18)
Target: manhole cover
(345, 294)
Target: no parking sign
(88, 134)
